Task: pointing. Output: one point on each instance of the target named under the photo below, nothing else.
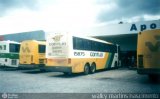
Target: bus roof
(94, 39)
(84, 37)
(39, 42)
(8, 41)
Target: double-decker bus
(9, 53)
(74, 54)
(32, 54)
(148, 53)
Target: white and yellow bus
(72, 54)
(32, 54)
(148, 53)
(9, 53)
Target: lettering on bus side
(58, 44)
(79, 53)
(96, 54)
(152, 47)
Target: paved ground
(110, 81)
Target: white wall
(125, 28)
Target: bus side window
(74, 43)
(87, 45)
(107, 48)
(102, 47)
(78, 43)
(93, 46)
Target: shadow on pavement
(154, 81)
(61, 75)
(8, 69)
(35, 72)
(106, 78)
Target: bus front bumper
(65, 69)
(148, 71)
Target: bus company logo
(152, 47)
(4, 96)
(26, 48)
(57, 38)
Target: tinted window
(78, 43)
(84, 44)
(41, 48)
(14, 48)
(87, 45)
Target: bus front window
(14, 48)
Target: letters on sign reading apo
(143, 27)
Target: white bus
(73, 54)
(9, 53)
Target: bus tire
(93, 68)
(86, 69)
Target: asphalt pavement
(120, 80)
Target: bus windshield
(41, 48)
(14, 48)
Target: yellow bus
(148, 53)
(32, 54)
(74, 54)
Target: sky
(72, 15)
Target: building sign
(125, 28)
(143, 27)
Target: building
(32, 35)
(124, 34)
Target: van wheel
(86, 69)
(93, 68)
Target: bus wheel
(93, 68)
(86, 69)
